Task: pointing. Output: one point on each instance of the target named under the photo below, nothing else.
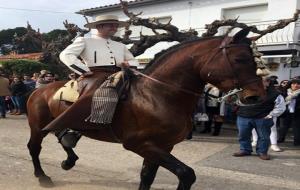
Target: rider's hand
(125, 64)
(84, 75)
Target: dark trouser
(211, 112)
(19, 102)
(287, 121)
(2, 106)
(263, 128)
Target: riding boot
(68, 138)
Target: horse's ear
(241, 35)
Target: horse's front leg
(71, 159)
(34, 146)
(161, 157)
(148, 174)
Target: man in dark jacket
(18, 90)
(257, 117)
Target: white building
(281, 48)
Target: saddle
(104, 98)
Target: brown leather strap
(166, 84)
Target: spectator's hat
(43, 72)
(106, 19)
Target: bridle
(223, 47)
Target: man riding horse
(99, 54)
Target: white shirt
(95, 51)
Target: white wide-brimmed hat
(106, 19)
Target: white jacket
(95, 51)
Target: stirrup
(68, 138)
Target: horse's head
(231, 65)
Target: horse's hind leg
(71, 159)
(185, 174)
(34, 146)
(148, 174)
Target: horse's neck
(179, 71)
(179, 67)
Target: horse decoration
(157, 112)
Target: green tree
(22, 66)
(54, 35)
(7, 36)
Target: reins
(224, 45)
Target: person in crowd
(283, 86)
(258, 116)
(44, 79)
(291, 118)
(278, 109)
(30, 83)
(35, 76)
(273, 80)
(18, 90)
(9, 104)
(214, 110)
(43, 72)
(49, 77)
(4, 91)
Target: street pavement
(105, 166)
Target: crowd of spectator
(14, 90)
(261, 126)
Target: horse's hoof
(67, 165)
(46, 181)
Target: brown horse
(155, 116)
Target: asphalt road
(109, 166)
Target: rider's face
(107, 30)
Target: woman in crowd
(291, 118)
(214, 110)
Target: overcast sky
(47, 18)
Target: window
(246, 14)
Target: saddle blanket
(69, 92)
(105, 99)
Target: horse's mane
(161, 55)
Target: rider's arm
(129, 58)
(69, 56)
